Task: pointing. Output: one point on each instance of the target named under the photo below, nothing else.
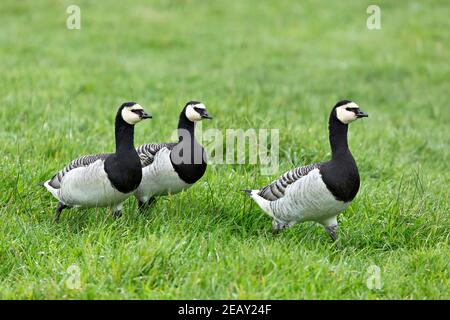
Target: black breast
(125, 174)
(189, 162)
(341, 178)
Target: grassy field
(271, 64)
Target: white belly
(89, 187)
(160, 178)
(307, 199)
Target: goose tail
(50, 189)
(260, 201)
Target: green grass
(271, 64)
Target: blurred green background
(255, 64)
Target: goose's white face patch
(344, 115)
(193, 115)
(129, 116)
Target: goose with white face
(132, 113)
(196, 111)
(349, 112)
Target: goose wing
(83, 161)
(147, 152)
(277, 188)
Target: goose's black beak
(145, 115)
(204, 114)
(361, 114)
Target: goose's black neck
(338, 138)
(124, 166)
(340, 175)
(186, 128)
(124, 133)
(188, 156)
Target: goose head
(347, 111)
(132, 113)
(195, 111)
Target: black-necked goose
(317, 192)
(102, 180)
(168, 168)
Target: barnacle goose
(102, 180)
(169, 168)
(317, 192)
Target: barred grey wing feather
(277, 188)
(147, 152)
(83, 161)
